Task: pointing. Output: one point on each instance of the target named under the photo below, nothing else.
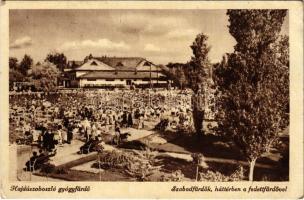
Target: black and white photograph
(149, 95)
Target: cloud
(152, 48)
(104, 44)
(148, 23)
(21, 43)
(187, 33)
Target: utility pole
(157, 75)
(150, 77)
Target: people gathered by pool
(52, 120)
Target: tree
(197, 76)
(87, 58)
(15, 76)
(25, 64)
(13, 63)
(199, 64)
(58, 59)
(45, 76)
(253, 83)
(177, 73)
(182, 78)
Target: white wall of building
(85, 82)
(139, 81)
(79, 73)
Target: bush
(237, 175)
(143, 165)
(137, 164)
(113, 159)
(176, 176)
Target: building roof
(121, 62)
(128, 63)
(94, 65)
(121, 75)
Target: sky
(160, 36)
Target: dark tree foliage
(58, 59)
(177, 72)
(15, 76)
(196, 72)
(25, 64)
(253, 82)
(89, 57)
(199, 64)
(13, 63)
(45, 76)
(196, 75)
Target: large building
(109, 72)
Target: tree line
(43, 75)
(251, 84)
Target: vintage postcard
(156, 99)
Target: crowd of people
(51, 119)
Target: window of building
(93, 63)
(110, 79)
(145, 79)
(147, 64)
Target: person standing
(117, 133)
(46, 140)
(89, 132)
(107, 123)
(124, 119)
(198, 105)
(94, 130)
(70, 133)
(51, 141)
(59, 133)
(141, 122)
(130, 119)
(64, 136)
